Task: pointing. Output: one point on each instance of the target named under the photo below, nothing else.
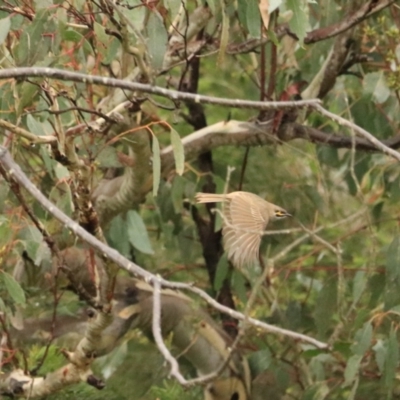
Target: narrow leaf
(137, 233)
(221, 272)
(392, 360)
(224, 37)
(156, 165)
(5, 25)
(253, 18)
(362, 339)
(179, 152)
(351, 371)
(263, 5)
(14, 289)
(158, 38)
(299, 22)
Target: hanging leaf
(359, 284)
(221, 273)
(158, 39)
(137, 233)
(179, 152)
(14, 289)
(375, 85)
(156, 165)
(253, 18)
(263, 5)
(362, 339)
(224, 36)
(351, 371)
(392, 284)
(5, 25)
(392, 359)
(299, 22)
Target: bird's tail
(210, 197)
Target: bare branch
(157, 90)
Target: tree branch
(366, 10)
(174, 95)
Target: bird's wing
(242, 230)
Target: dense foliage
(127, 162)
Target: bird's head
(279, 213)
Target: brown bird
(245, 216)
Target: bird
(245, 218)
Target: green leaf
(179, 151)
(221, 272)
(173, 6)
(158, 39)
(351, 371)
(108, 158)
(299, 22)
(43, 3)
(100, 33)
(186, 245)
(325, 307)
(380, 354)
(359, 284)
(27, 95)
(34, 126)
(224, 37)
(75, 37)
(5, 25)
(392, 359)
(32, 46)
(375, 85)
(156, 165)
(177, 191)
(112, 49)
(253, 18)
(362, 339)
(13, 288)
(260, 360)
(117, 237)
(316, 391)
(137, 233)
(392, 286)
(239, 285)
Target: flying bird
(245, 217)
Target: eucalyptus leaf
(137, 233)
(392, 359)
(253, 18)
(299, 22)
(5, 25)
(158, 38)
(156, 165)
(14, 289)
(362, 339)
(221, 272)
(352, 368)
(179, 151)
(375, 85)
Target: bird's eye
(279, 213)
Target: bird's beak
(281, 214)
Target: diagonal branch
(366, 10)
